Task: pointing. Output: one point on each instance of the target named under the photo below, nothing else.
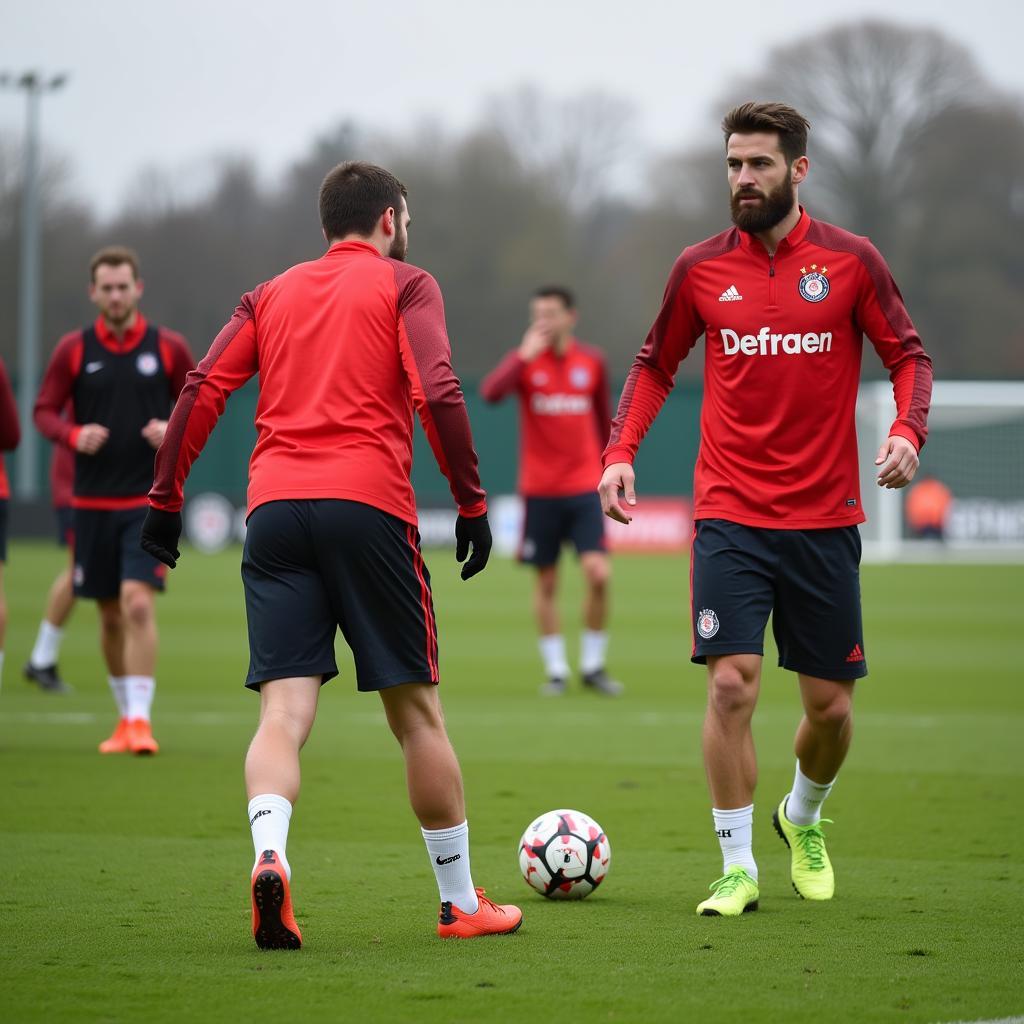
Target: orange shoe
(140, 737)
(117, 742)
(273, 921)
(489, 919)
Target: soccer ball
(564, 855)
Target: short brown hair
(556, 291)
(114, 256)
(354, 195)
(790, 125)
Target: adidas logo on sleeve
(731, 294)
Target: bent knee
(597, 573)
(730, 691)
(832, 714)
(137, 607)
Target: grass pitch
(125, 882)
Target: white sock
(593, 647)
(269, 817)
(139, 696)
(552, 650)
(735, 836)
(803, 805)
(120, 696)
(47, 645)
(448, 849)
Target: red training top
(62, 473)
(345, 346)
(783, 337)
(10, 429)
(564, 414)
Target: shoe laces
(811, 840)
(483, 899)
(728, 884)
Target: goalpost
(975, 451)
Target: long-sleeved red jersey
(10, 429)
(564, 417)
(784, 336)
(345, 347)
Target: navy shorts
(3, 529)
(550, 522)
(313, 566)
(807, 580)
(108, 551)
(65, 516)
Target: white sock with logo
(803, 805)
(735, 831)
(552, 650)
(448, 849)
(117, 688)
(593, 648)
(138, 691)
(269, 818)
(47, 645)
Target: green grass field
(125, 891)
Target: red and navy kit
(62, 479)
(565, 417)
(783, 339)
(10, 435)
(346, 347)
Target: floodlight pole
(34, 85)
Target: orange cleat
(140, 737)
(273, 921)
(117, 742)
(490, 919)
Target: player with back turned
(345, 347)
(783, 302)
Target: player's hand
(475, 532)
(617, 477)
(154, 432)
(535, 340)
(160, 533)
(91, 438)
(898, 460)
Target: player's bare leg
(597, 572)
(138, 617)
(435, 792)
(552, 643)
(822, 741)
(287, 710)
(111, 624)
(42, 662)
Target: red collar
(352, 246)
(791, 241)
(131, 337)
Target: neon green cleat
(810, 869)
(733, 894)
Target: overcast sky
(173, 82)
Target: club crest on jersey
(814, 284)
(579, 377)
(147, 364)
(707, 623)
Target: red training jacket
(784, 336)
(564, 416)
(10, 428)
(345, 346)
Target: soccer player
(565, 417)
(783, 302)
(42, 663)
(121, 376)
(10, 435)
(345, 346)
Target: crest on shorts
(707, 623)
(814, 284)
(147, 364)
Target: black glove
(475, 531)
(160, 533)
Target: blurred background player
(121, 376)
(565, 417)
(345, 346)
(10, 435)
(783, 302)
(42, 663)
(928, 505)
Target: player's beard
(399, 244)
(119, 318)
(773, 208)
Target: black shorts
(108, 552)
(807, 580)
(550, 522)
(3, 529)
(312, 566)
(65, 516)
